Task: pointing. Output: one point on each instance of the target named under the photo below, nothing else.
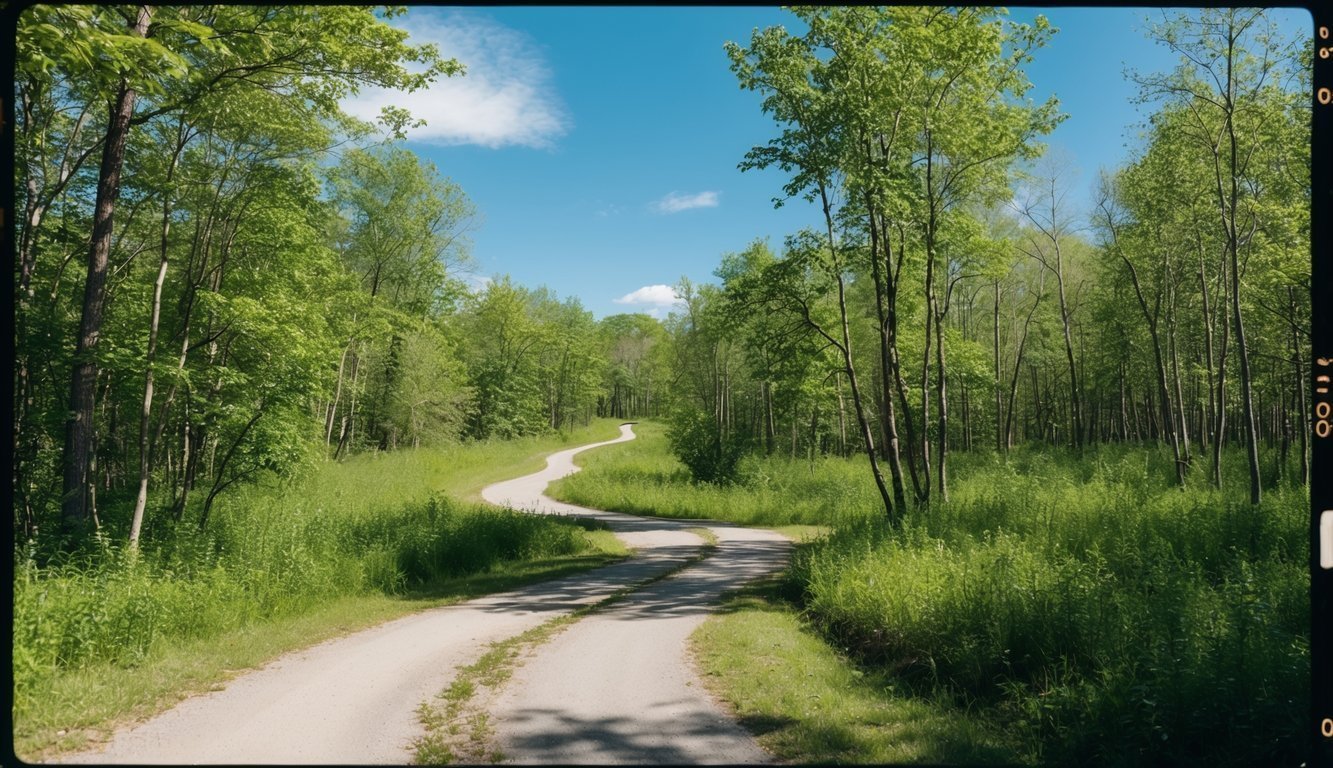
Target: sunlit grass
(642, 477)
(1083, 603)
(809, 704)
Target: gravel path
(614, 687)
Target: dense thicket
(221, 275)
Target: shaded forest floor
(1085, 607)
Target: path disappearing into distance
(616, 686)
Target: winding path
(615, 687)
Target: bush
(709, 454)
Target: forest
(225, 286)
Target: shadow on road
(560, 737)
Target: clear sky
(600, 144)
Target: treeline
(952, 298)
(221, 275)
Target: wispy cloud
(656, 298)
(676, 202)
(478, 283)
(506, 98)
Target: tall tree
(1227, 85)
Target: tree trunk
(1075, 406)
(999, 405)
(894, 515)
(1303, 423)
(941, 400)
(885, 308)
(76, 486)
(154, 321)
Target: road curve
(614, 687)
(617, 686)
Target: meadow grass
(1082, 603)
(642, 477)
(111, 635)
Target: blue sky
(600, 144)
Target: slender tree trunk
(930, 317)
(154, 321)
(218, 482)
(1211, 433)
(999, 405)
(75, 500)
(1018, 367)
(894, 515)
(842, 418)
(1180, 396)
(1075, 409)
(885, 301)
(1302, 420)
(1227, 207)
(337, 396)
(941, 401)
(770, 430)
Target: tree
(167, 62)
(1227, 86)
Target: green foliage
(711, 455)
(534, 361)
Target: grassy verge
(806, 703)
(112, 637)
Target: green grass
(642, 477)
(1081, 603)
(109, 637)
(807, 703)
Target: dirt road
(614, 687)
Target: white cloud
(677, 202)
(658, 297)
(505, 98)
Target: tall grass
(372, 525)
(1085, 602)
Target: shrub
(709, 454)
